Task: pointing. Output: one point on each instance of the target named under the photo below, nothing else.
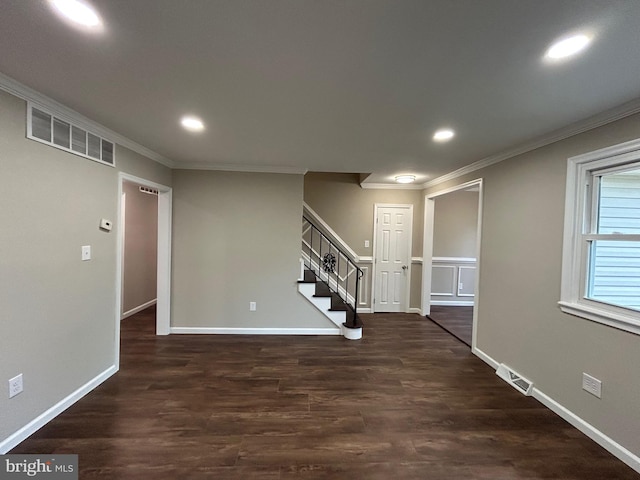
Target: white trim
(452, 303)
(417, 260)
(611, 318)
(572, 297)
(455, 188)
(589, 430)
(165, 214)
(427, 249)
(427, 254)
(460, 267)
(254, 331)
(363, 297)
(335, 237)
(139, 308)
(603, 118)
(453, 260)
(308, 290)
(485, 358)
(366, 259)
(230, 167)
(41, 420)
(391, 186)
(453, 281)
(414, 310)
(19, 90)
(163, 290)
(364, 310)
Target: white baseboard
(453, 303)
(254, 331)
(45, 417)
(589, 430)
(133, 311)
(415, 310)
(485, 358)
(364, 309)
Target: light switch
(366, 244)
(86, 252)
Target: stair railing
(332, 266)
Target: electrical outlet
(366, 244)
(252, 306)
(15, 386)
(86, 253)
(592, 385)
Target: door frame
(427, 250)
(377, 206)
(163, 288)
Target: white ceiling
(329, 85)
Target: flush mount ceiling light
(405, 178)
(78, 12)
(443, 135)
(567, 47)
(193, 124)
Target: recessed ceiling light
(193, 124)
(406, 178)
(78, 12)
(443, 135)
(568, 46)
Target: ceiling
(329, 85)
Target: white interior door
(392, 257)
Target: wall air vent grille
(47, 128)
(515, 379)
(150, 191)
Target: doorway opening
(451, 259)
(136, 255)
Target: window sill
(613, 318)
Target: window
(601, 253)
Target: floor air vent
(515, 379)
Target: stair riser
(322, 303)
(326, 303)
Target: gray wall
(140, 247)
(519, 322)
(58, 314)
(237, 239)
(455, 224)
(348, 210)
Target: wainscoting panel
(453, 281)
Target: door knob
(404, 267)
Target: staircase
(329, 279)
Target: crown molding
(229, 167)
(19, 90)
(608, 116)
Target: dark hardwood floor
(407, 402)
(458, 321)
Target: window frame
(580, 212)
